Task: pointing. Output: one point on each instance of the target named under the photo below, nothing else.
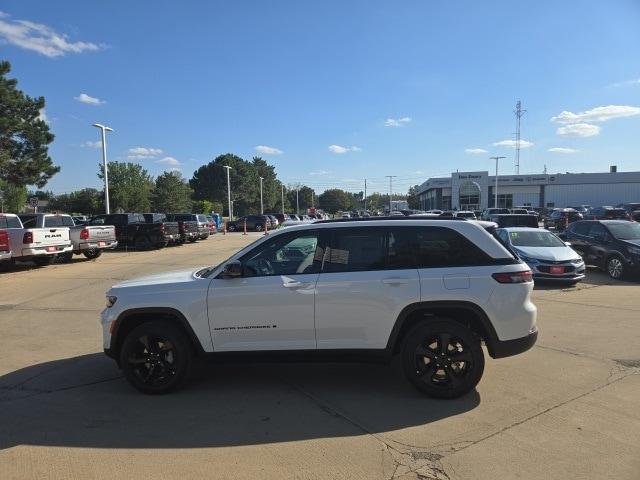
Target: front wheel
(156, 357)
(91, 254)
(615, 267)
(442, 358)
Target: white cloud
(626, 83)
(169, 161)
(397, 122)
(562, 150)
(42, 115)
(138, 153)
(579, 130)
(418, 172)
(475, 151)
(268, 150)
(512, 143)
(319, 173)
(97, 144)
(598, 114)
(89, 100)
(338, 149)
(39, 38)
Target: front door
(271, 306)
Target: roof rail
(374, 219)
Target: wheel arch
(467, 313)
(130, 319)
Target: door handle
(395, 281)
(295, 285)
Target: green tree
(171, 193)
(203, 206)
(335, 200)
(305, 197)
(86, 201)
(130, 187)
(12, 197)
(412, 197)
(24, 136)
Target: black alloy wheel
(156, 357)
(443, 358)
(93, 253)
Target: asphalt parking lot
(569, 408)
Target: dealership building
(475, 190)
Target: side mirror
(232, 269)
(568, 244)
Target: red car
(212, 225)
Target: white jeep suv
(429, 290)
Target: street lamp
(229, 192)
(282, 194)
(495, 193)
(261, 204)
(104, 162)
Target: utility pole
(104, 163)
(261, 204)
(297, 201)
(519, 112)
(390, 177)
(227, 167)
(365, 194)
(282, 194)
(495, 193)
(312, 199)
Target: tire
(427, 353)
(258, 227)
(615, 267)
(142, 242)
(156, 357)
(44, 260)
(92, 254)
(65, 257)
(193, 239)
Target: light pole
(104, 163)
(391, 177)
(282, 194)
(365, 194)
(261, 204)
(227, 167)
(495, 193)
(297, 202)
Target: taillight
(84, 234)
(513, 277)
(27, 237)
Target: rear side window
(356, 250)
(9, 222)
(435, 247)
(580, 228)
(597, 230)
(28, 221)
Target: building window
(469, 196)
(505, 200)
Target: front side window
(284, 255)
(580, 228)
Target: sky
(332, 92)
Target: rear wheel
(44, 260)
(65, 257)
(156, 357)
(442, 358)
(93, 253)
(615, 267)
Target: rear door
(365, 282)
(600, 241)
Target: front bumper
(571, 272)
(508, 348)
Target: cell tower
(519, 112)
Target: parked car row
(270, 221)
(46, 237)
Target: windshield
(535, 239)
(625, 231)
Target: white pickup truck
(42, 245)
(88, 240)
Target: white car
(464, 214)
(428, 290)
(546, 254)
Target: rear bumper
(508, 348)
(4, 255)
(96, 245)
(34, 251)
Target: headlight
(111, 300)
(634, 250)
(577, 261)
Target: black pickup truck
(188, 225)
(132, 230)
(170, 228)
